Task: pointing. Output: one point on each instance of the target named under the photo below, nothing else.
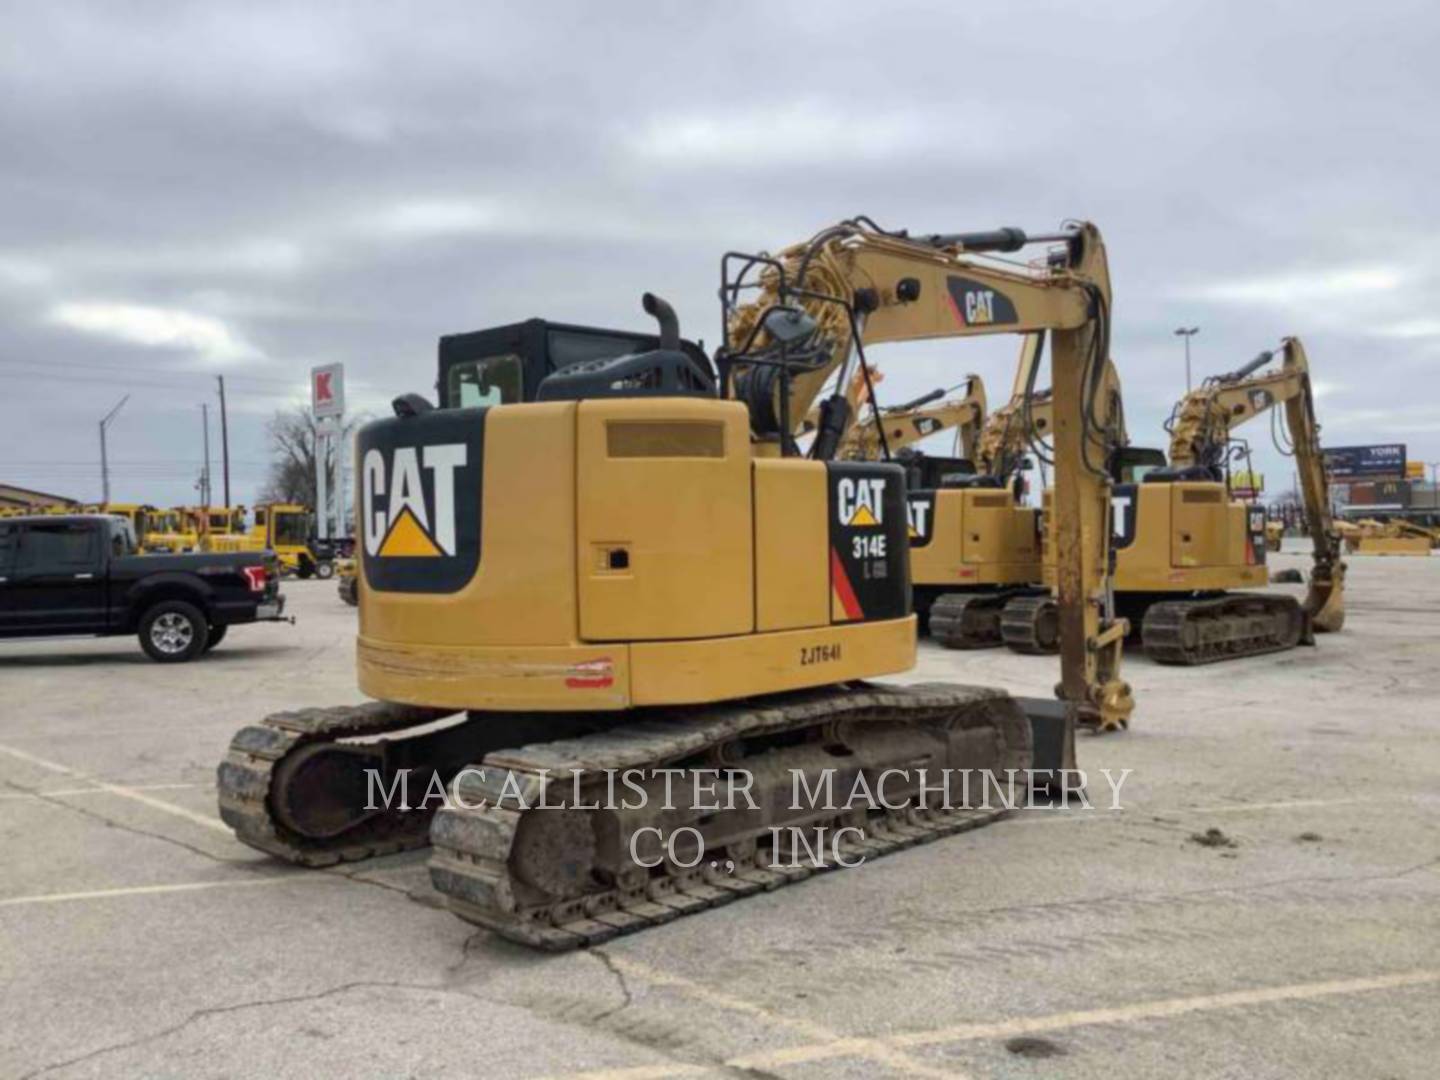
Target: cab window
(62, 546)
(491, 380)
(122, 539)
(8, 535)
(292, 530)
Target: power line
(271, 395)
(48, 364)
(126, 461)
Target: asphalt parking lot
(137, 938)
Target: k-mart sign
(327, 390)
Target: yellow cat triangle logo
(862, 516)
(407, 538)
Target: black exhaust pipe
(665, 315)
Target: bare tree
(292, 434)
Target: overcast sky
(253, 189)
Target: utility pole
(1187, 333)
(205, 473)
(224, 440)
(104, 458)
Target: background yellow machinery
(631, 572)
(1183, 546)
(975, 546)
(287, 530)
(1370, 537)
(891, 431)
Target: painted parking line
(156, 890)
(133, 794)
(1170, 1007)
(875, 1050)
(841, 1047)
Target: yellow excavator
(1274, 535)
(975, 548)
(892, 431)
(988, 548)
(981, 555)
(1394, 537)
(625, 567)
(1183, 547)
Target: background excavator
(1369, 536)
(975, 548)
(623, 563)
(892, 431)
(981, 561)
(1182, 546)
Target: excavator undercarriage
(531, 840)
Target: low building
(13, 497)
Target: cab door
(58, 581)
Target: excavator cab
(1136, 464)
(505, 365)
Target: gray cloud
(253, 189)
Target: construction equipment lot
(1301, 938)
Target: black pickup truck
(80, 575)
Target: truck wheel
(173, 631)
(217, 635)
(304, 569)
(325, 570)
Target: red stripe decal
(841, 583)
(591, 675)
(959, 316)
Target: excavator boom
(887, 431)
(795, 320)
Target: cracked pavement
(141, 941)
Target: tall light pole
(224, 439)
(1187, 333)
(205, 475)
(104, 458)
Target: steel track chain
(1021, 622)
(966, 620)
(1165, 626)
(245, 776)
(472, 867)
